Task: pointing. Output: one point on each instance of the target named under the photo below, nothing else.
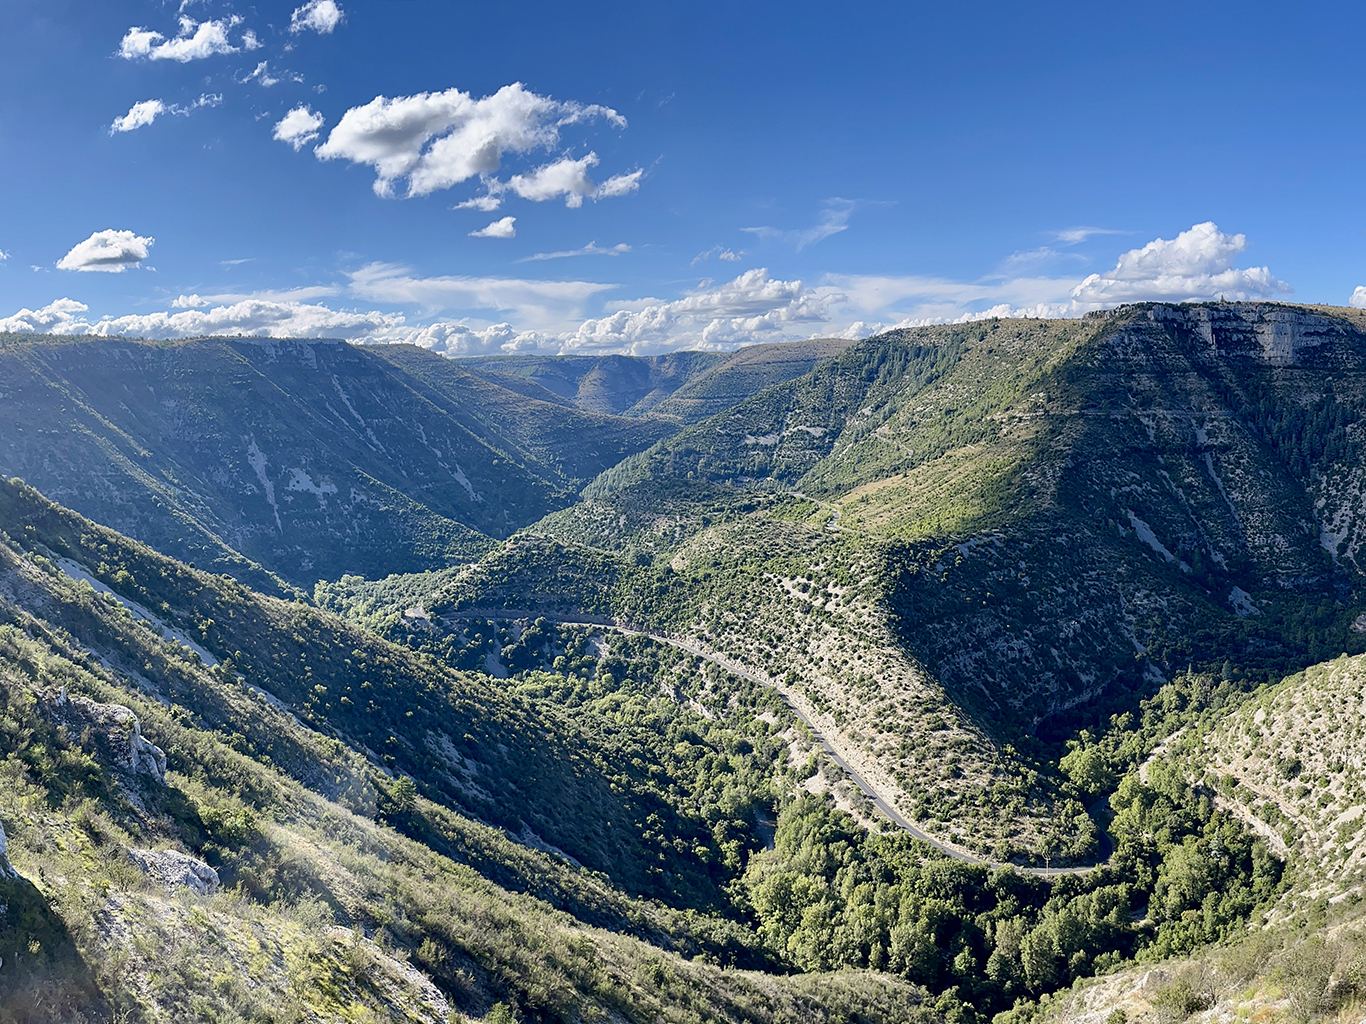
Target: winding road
(884, 805)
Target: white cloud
(299, 127)
(1077, 235)
(3, 256)
(271, 318)
(591, 249)
(139, 114)
(109, 251)
(48, 320)
(537, 303)
(1197, 264)
(833, 219)
(250, 41)
(436, 140)
(568, 178)
(195, 41)
(142, 114)
(486, 203)
(502, 228)
(619, 185)
(1358, 299)
(321, 16)
(721, 253)
(752, 307)
(261, 76)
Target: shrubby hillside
(305, 460)
(998, 670)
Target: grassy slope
(310, 459)
(329, 914)
(744, 374)
(622, 385)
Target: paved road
(879, 801)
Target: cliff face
(1185, 485)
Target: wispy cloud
(721, 253)
(1074, 236)
(833, 218)
(591, 249)
(142, 114)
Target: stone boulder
(176, 870)
(113, 731)
(5, 870)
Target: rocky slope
(306, 460)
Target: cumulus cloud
(501, 228)
(142, 114)
(261, 316)
(752, 307)
(1196, 264)
(321, 16)
(50, 319)
(250, 42)
(1358, 299)
(139, 115)
(252, 316)
(435, 140)
(299, 127)
(591, 249)
(109, 251)
(195, 41)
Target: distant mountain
(616, 385)
(744, 374)
(308, 459)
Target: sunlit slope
(617, 384)
(473, 746)
(958, 542)
(1292, 763)
(310, 459)
(744, 374)
(345, 895)
(1073, 502)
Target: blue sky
(627, 177)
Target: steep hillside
(744, 374)
(308, 459)
(1288, 763)
(620, 385)
(173, 841)
(1292, 763)
(960, 545)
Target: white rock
(176, 870)
(5, 870)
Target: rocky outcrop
(112, 730)
(5, 870)
(176, 870)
